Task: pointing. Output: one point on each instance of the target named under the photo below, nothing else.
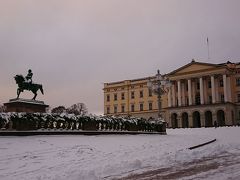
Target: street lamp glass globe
(149, 84)
(159, 77)
(163, 83)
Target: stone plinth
(25, 105)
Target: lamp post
(159, 85)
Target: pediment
(194, 67)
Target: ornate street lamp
(159, 85)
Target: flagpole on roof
(208, 48)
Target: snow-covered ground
(123, 156)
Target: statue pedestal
(25, 105)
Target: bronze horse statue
(24, 85)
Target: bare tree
(48, 109)
(78, 109)
(59, 110)
(2, 108)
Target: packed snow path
(123, 156)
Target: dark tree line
(77, 109)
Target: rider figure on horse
(25, 83)
(29, 76)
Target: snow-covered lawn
(123, 156)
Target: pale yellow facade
(201, 93)
(125, 98)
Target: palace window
(115, 109)
(210, 99)
(150, 106)
(149, 92)
(238, 98)
(115, 97)
(123, 108)
(141, 94)
(209, 84)
(108, 97)
(123, 96)
(221, 83)
(132, 94)
(197, 99)
(237, 81)
(198, 85)
(222, 97)
(141, 106)
(108, 110)
(132, 107)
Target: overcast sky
(74, 46)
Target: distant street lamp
(159, 85)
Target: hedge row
(24, 121)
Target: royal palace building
(200, 94)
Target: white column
(183, 94)
(179, 93)
(169, 98)
(229, 90)
(201, 90)
(205, 86)
(225, 88)
(213, 90)
(189, 92)
(216, 90)
(174, 94)
(194, 92)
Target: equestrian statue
(25, 83)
